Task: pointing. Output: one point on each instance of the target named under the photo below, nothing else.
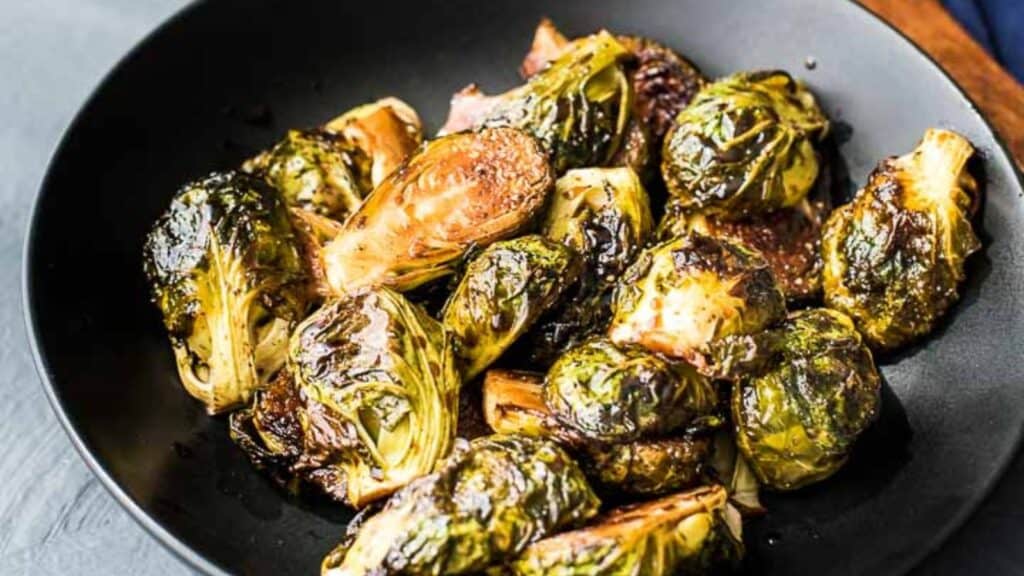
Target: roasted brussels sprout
(730, 468)
(458, 191)
(380, 386)
(578, 107)
(744, 145)
(663, 81)
(696, 532)
(317, 171)
(812, 392)
(270, 432)
(489, 500)
(227, 274)
(682, 295)
(330, 170)
(503, 291)
(617, 394)
(603, 214)
(514, 404)
(788, 238)
(894, 257)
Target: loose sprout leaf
(502, 292)
(457, 192)
(380, 388)
(683, 295)
(226, 272)
(330, 170)
(488, 501)
(690, 533)
(894, 257)
(744, 145)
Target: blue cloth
(998, 25)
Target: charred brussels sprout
(744, 145)
(788, 238)
(458, 191)
(815, 389)
(603, 214)
(226, 273)
(894, 257)
(380, 386)
(696, 532)
(613, 394)
(663, 81)
(503, 291)
(578, 107)
(330, 170)
(514, 404)
(683, 295)
(486, 503)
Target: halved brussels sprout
(683, 295)
(617, 394)
(788, 238)
(696, 532)
(330, 170)
(603, 214)
(578, 107)
(457, 192)
(380, 388)
(744, 145)
(489, 500)
(514, 404)
(894, 257)
(227, 274)
(813, 392)
(502, 292)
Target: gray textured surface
(55, 518)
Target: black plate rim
(196, 560)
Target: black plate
(223, 79)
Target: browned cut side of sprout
(458, 191)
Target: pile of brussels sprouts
(341, 293)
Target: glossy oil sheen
(224, 79)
